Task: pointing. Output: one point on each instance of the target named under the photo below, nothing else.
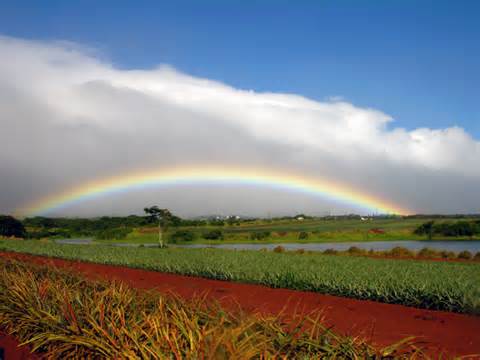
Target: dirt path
(381, 324)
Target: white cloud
(62, 102)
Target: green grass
(430, 285)
(288, 231)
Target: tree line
(462, 228)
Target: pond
(456, 246)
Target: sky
(379, 96)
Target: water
(85, 241)
(455, 246)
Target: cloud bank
(68, 116)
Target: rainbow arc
(212, 175)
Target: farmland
(60, 314)
(136, 230)
(429, 285)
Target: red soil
(11, 351)
(380, 324)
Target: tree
(9, 226)
(425, 229)
(164, 218)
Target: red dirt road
(380, 324)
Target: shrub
(354, 250)
(399, 251)
(9, 226)
(279, 249)
(259, 235)
(282, 233)
(448, 254)
(330, 252)
(477, 256)
(182, 235)
(303, 235)
(300, 251)
(213, 235)
(428, 253)
(466, 255)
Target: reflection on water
(456, 246)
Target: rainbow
(212, 175)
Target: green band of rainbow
(197, 175)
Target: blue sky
(418, 61)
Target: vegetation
(461, 228)
(163, 217)
(300, 228)
(181, 236)
(450, 286)
(11, 227)
(116, 233)
(260, 235)
(213, 235)
(60, 314)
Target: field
(424, 284)
(59, 314)
(288, 231)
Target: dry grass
(65, 316)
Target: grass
(431, 285)
(287, 231)
(62, 315)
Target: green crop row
(446, 286)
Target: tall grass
(65, 316)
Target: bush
(259, 235)
(213, 235)
(303, 235)
(282, 233)
(477, 256)
(448, 254)
(466, 255)
(330, 252)
(300, 251)
(11, 227)
(428, 253)
(399, 251)
(356, 250)
(279, 249)
(182, 235)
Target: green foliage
(11, 227)
(181, 235)
(303, 235)
(460, 228)
(450, 286)
(80, 227)
(213, 235)
(216, 223)
(110, 234)
(260, 235)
